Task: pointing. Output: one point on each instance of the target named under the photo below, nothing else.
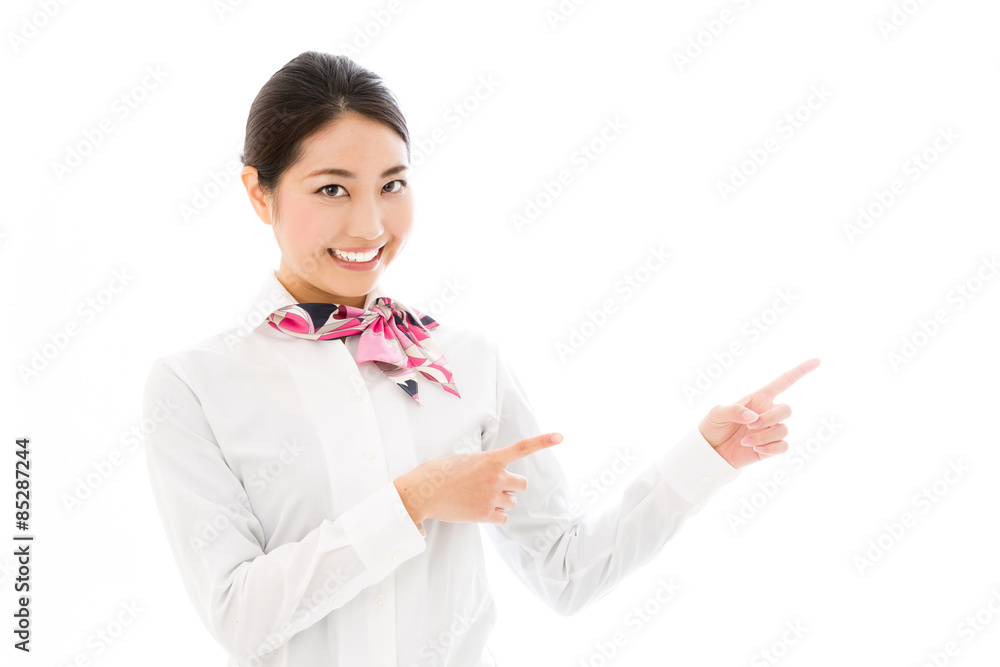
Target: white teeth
(356, 256)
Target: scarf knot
(392, 336)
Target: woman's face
(347, 191)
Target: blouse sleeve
(251, 601)
(566, 557)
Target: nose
(365, 221)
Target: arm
(569, 561)
(251, 601)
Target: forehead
(353, 142)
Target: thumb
(735, 413)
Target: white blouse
(272, 466)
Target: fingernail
(748, 414)
(746, 441)
(556, 438)
(756, 424)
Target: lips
(357, 250)
(355, 265)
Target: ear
(259, 200)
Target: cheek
(303, 226)
(400, 219)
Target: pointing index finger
(788, 378)
(507, 455)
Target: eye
(402, 184)
(332, 185)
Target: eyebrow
(333, 171)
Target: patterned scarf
(392, 336)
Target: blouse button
(397, 554)
(339, 600)
(357, 397)
(379, 599)
(370, 454)
(707, 479)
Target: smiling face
(347, 191)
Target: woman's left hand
(755, 416)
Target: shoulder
(461, 336)
(206, 353)
(466, 347)
(471, 354)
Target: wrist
(416, 507)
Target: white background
(889, 89)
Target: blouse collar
(272, 295)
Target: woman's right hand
(474, 487)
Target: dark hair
(311, 90)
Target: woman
(321, 496)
